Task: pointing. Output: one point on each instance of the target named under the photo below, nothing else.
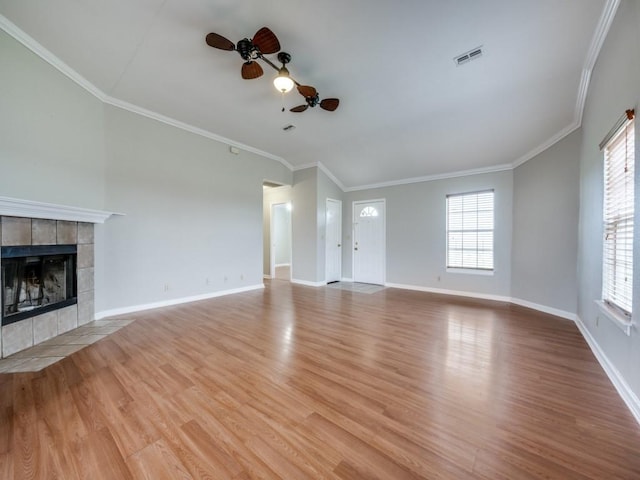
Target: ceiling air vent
(289, 128)
(468, 56)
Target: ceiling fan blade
(330, 104)
(299, 108)
(218, 41)
(251, 70)
(307, 91)
(266, 41)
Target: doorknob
(355, 248)
(339, 245)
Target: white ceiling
(406, 109)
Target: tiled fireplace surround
(35, 231)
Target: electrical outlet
(242, 276)
(225, 279)
(438, 277)
(206, 281)
(166, 287)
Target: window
(617, 268)
(470, 231)
(369, 212)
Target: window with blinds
(617, 270)
(470, 230)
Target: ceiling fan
(312, 97)
(264, 42)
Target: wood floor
(297, 382)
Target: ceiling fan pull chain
(282, 95)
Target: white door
(369, 242)
(333, 240)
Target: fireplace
(37, 279)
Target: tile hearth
(47, 353)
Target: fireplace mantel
(15, 207)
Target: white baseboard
(282, 265)
(174, 301)
(620, 384)
(307, 283)
(443, 291)
(543, 308)
(484, 296)
(629, 397)
(345, 279)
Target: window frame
(617, 300)
(462, 267)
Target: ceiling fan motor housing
(246, 49)
(313, 101)
(284, 58)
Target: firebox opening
(37, 279)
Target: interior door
(369, 242)
(333, 240)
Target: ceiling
(406, 109)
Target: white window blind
(617, 271)
(470, 230)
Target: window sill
(622, 322)
(470, 271)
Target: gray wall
(304, 225)
(416, 233)
(311, 188)
(615, 87)
(545, 226)
(51, 133)
(193, 212)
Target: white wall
(615, 87)
(193, 212)
(545, 227)
(51, 133)
(416, 233)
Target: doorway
(369, 247)
(280, 251)
(333, 241)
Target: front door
(369, 242)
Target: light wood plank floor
(296, 382)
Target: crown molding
(333, 178)
(325, 170)
(37, 48)
(431, 178)
(601, 32)
(16, 207)
(29, 42)
(583, 89)
(599, 36)
(544, 146)
(115, 102)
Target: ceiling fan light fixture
(283, 81)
